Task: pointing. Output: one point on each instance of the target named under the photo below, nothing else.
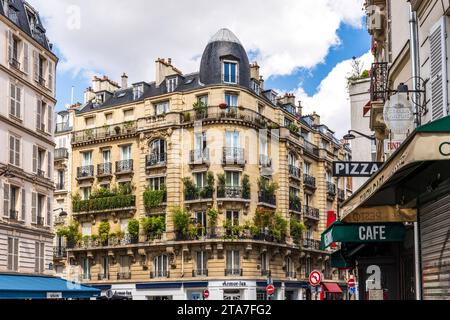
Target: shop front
(376, 230)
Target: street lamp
(351, 136)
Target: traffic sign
(315, 278)
(206, 294)
(351, 283)
(352, 290)
(270, 289)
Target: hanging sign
(398, 114)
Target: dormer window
(138, 91)
(230, 72)
(256, 87)
(290, 108)
(100, 98)
(171, 84)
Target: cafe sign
(398, 114)
(362, 233)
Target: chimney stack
(124, 81)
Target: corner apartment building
(242, 168)
(27, 99)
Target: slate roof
(22, 22)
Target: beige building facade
(200, 181)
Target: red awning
(332, 287)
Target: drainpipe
(414, 49)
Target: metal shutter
(435, 246)
(438, 70)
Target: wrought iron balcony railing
(59, 252)
(107, 131)
(265, 161)
(331, 189)
(311, 213)
(379, 81)
(155, 159)
(294, 171)
(232, 193)
(309, 181)
(233, 156)
(60, 186)
(311, 244)
(124, 166)
(85, 172)
(14, 63)
(103, 276)
(295, 204)
(159, 274)
(104, 169)
(199, 156)
(200, 273)
(203, 193)
(61, 153)
(266, 198)
(310, 148)
(63, 127)
(234, 272)
(124, 275)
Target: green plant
(269, 188)
(293, 128)
(187, 117)
(279, 227)
(103, 231)
(125, 188)
(297, 229)
(154, 226)
(246, 187)
(181, 219)
(128, 124)
(295, 201)
(208, 191)
(213, 214)
(365, 74)
(200, 107)
(133, 228)
(191, 191)
(154, 198)
(71, 233)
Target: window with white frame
(231, 100)
(289, 267)
(161, 266)
(157, 183)
(171, 84)
(15, 101)
(292, 159)
(264, 262)
(200, 179)
(162, 108)
(86, 193)
(14, 150)
(232, 179)
(233, 262)
(138, 91)
(307, 168)
(230, 74)
(232, 218)
(86, 229)
(13, 254)
(128, 115)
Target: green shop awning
(338, 261)
(362, 233)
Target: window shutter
(36, 66)
(49, 211)
(26, 59)
(12, 99)
(16, 254)
(6, 199)
(9, 36)
(50, 75)
(49, 167)
(11, 149)
(10, 253)
(17, 149)
(36, 257)
(18, 102)
(38, 114)
(35, 151)
(34, 207)
(42, 257)
(24, 204)
(50, 119)
(438, 68)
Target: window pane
(233, 73)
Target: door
(232, 295)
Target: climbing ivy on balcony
(246, 187)
(71, 233)
(103, 200)
(154, 198)
(154, 227)
(297, 229)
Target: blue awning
(159, 285)
(17, 286)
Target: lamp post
(351, 136)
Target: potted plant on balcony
(221, 185)
(133, 230)
(200, 109)
(213, 214)
(208, 191)
(293, 128)
(128, 126)
(181, 219)
(103, 232)
(223, 106)
(191, 192)
(154, 198)
(71, 233)
(246, 187)
(153, 227)
(297, 229)
(278, 230)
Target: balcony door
(106, 156)
(232, 179)
(200, 146)
(125, 153)
(232, 146)
(158, 150)
(87, 159)
(233, 262)
(202, 263)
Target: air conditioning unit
(376, 21)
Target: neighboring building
(363, 149)
(212, 142)
(63, 182)
(27, 99)
(410, 192)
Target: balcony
(124, 166)
(294, 172)
(124, 275)
(341, 195)
(104, 169)
(379, 82)
(61, 154)
(60, 186)
(159, 274)
(311, 244)
(233, 156)
(309, 181)
(199, 157)
(267, 200)
(311, 149)
(200, 273)
(232, 193)
(155, 160)
(295, 204)
(311, 213)
(291, 274)
(331, 190)
(116, 203)
(13, 215)
(63, 127)
(13, 62)
(200, 195)
(265, 161)
(86, 172)
(106, 132)
(234, 272)
(59, 252)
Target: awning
(332, 287)
(339, 261)
(17, 286)
(362, 233)
(391, 194)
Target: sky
(302, 46)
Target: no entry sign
(315, 278)
(270, 289)
(206, 294)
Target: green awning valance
(362, 233)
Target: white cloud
(331, 101)
(117, 36)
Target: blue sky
(354, 42)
